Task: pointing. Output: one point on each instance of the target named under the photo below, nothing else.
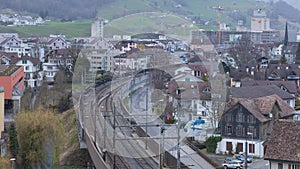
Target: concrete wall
(259, 148)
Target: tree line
(71, 9)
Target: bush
(211, 143)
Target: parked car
(242, 158)
(227, 159)
(237, 164)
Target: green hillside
(140, 16)
(70, 29)
(192, 8)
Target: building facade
(12, 80)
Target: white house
(56, 59)
(31, 71)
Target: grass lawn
(151, 22)
(70, 29)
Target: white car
(233, 164)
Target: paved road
(256, 164)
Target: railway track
(130, 146)
(106, 95)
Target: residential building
(32, 71)
(261, 91)
(195, 97)
(199, 69)
(31, 67)
(138, 59)
(8, 58)
(101, 59)
(289, 72)
(283, 150)
(208, 39)
(263, 62)
(12, 79)
(248, 122)
(288, 86)
(54, 42)
(13, 44)
(259, 21)
(270, 36)
(97, 28)
(58, 59)
(289, 51)
(245, 73)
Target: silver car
(233, 164)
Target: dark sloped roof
(62, 53)
(283, 70)
(284, 141)
(262, 106)
(190, 90)
(35, 61)
(245, 72)
(198, 66)
(289, 85)
(259, 91)
(13, 57)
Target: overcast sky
(294, 3)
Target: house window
(251, 119)
(24, 61)
(228, 129)
(280, 166)
(293, 166)
(195, 107)
(239, 130)
(26, 67)
(240, 147)
(228, 118)
(229, 146)
(239, 117)
(252, 148)
(204, 103)
(207, 90)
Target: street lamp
(246, 155)
(12, 162)
(162, 154)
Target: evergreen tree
(283, 59)
(204, 78)
(13, 140)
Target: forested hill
(63, 9)
(110, 9)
